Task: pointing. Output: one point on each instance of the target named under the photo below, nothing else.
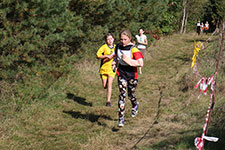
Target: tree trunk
(182, 25)
(185, 24)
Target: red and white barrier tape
(204, 83)
(199, 141)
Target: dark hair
(140, 29)
(108, 34)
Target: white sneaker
(121, 122)
(134, 110)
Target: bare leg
(109, 88)
(104, 83)
(140, 70)
(143, 53)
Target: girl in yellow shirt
(106, 54)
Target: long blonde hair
(127, 33)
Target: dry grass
(73, 115)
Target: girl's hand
(124, 56)
(114, 67)
(133, 62)
(113, 63)
(107, 58)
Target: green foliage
(205, 10)
(101, 17)
(217, 11)
(35, 30)
(220, 5)
(36, 39)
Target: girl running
(202, 27)
(128, 58)
(198, 27)
(106, 53)
(206, 27)
(142, 42)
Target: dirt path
(165, 64)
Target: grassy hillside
(72, 113)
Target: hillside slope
(73, 114)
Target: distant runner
(198, 27)
(202, 27)
(142, 43)
(206, 27)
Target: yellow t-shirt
(106, 68)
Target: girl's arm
(143, 43)
(109, 57)
(132, 62)
(100, 55)
(103, 56)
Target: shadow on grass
(182, 140)
(115, 129)
(186, 141)
(77, 99)
(200, 40)
(197, 39)
(183, 58)
(89, 116)
(216, 131)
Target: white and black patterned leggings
(123, 85)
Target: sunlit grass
(71, 113)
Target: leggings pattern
(123, 85)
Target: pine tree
(35, 30)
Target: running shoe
(121, 122)
(134, 110)
(108, 104)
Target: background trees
(36, 32)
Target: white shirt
(141, 38)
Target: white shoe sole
(120, 125)
(134, 115)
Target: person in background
(202, 27)
(198, 27)
(142, 43)
(106, 54)
(128, 58)
(206, 27)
